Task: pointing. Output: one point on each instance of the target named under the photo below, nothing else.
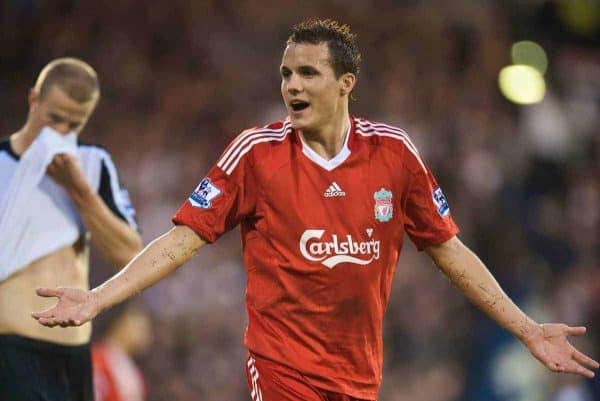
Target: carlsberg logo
(338, 249)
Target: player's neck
(21, 140)
(329, 140)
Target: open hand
(551, 347)
(74, 307)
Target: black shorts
(33, 370)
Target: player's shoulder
(379, 133)
(391, 138)
(87, 147)
(6, 149)
(94, 154)
(254, 141)
(273, 133)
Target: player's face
(58, 111)
(312, 94)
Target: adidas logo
(334, 190)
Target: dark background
(181, 78)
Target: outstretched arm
(161, 257)
(547, 342)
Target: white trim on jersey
(255, 141)
(42, 212)
(126, 377)
(30, 194)
(368, 125)
(98, 157)
(93, 166)
(256, 393)
(367, 128)
(332, 163)
(243, 138)
(246, 140)
(120, 195)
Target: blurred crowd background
(181, 78)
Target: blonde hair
(75, 77)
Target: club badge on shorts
(384, 210)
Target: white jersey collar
(334, 162)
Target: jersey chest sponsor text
(334, 249)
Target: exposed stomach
(63, 268)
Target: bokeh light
(581, 16)
(522, 84)
(529, 53)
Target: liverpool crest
(384, 210)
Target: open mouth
(298, 105)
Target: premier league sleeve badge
(204, 194)
(440, 202)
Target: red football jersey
(321, 240)
(116, 377)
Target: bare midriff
(67, 267)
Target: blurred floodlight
(581, 16)
(529, 53)
(522, 84)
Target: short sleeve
(219, 202)
(114, 195)
(427, 213)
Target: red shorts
(270, 381)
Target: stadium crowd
(179, 79)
